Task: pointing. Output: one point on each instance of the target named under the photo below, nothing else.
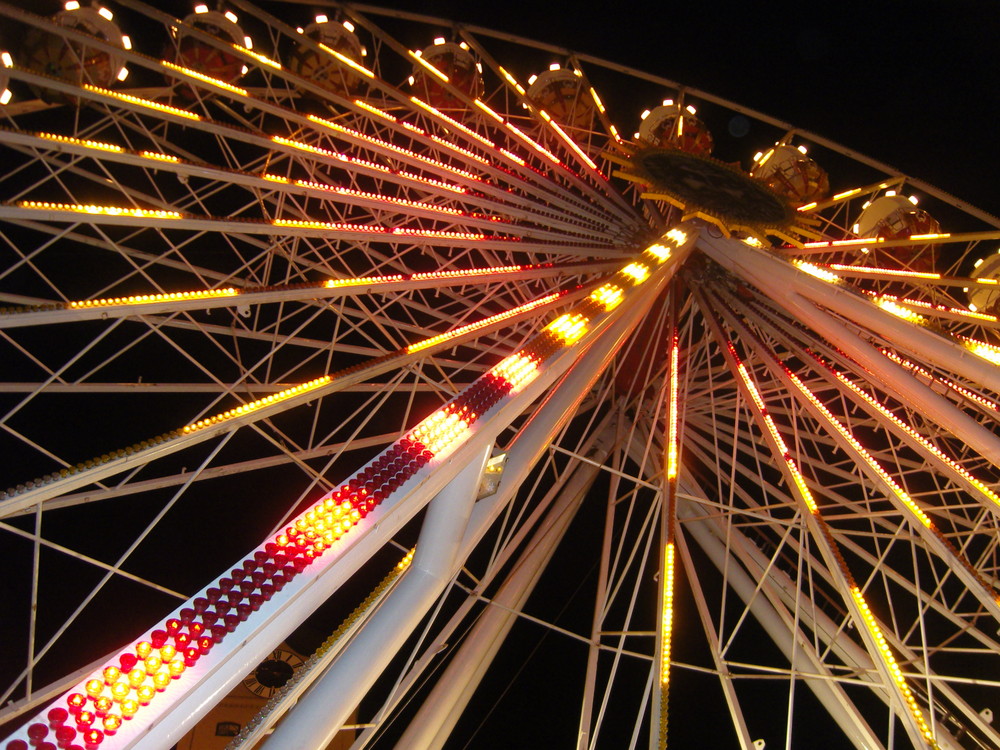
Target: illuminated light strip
(375, 110)
(637, 271)
(157, 156)
(570, 327)
(258, 57)
(430, 68)
(861, 451)
(660, 252)
(275, 178)
(899, 311)
(949, 383)
(467, 272)
(666, 616)
(145, 299)
(413, 128)
(511, 80)
(518, 370)
(572, 144)
(609, 296)
(260, 403)
(981, 349)
(381, 198)
(932, 236)
(347, 61)
(331, 154)
(614, 132)
(535, 145)
(513, 157)
(204, 78)
(456, 332)
(139, 213)
(846, 194)
(128, 98)
(793, 468)
(464, 151)
(440, 234)
(677, 236)
(597, 100)
(483, 106)
(338, 283)
(305, 224)
(672, 449)
(945, 309)
(813, 270)
(924, 443)
(433, 182)
(845, 243)
(486, 108)
(890, 662)
(886, 271)
(393, 147)
(80, 142)
(455, 123)
(807, 206)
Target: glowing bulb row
(204, 78)
(137, 213)
(347, 61)
(145, 299)
(378, 142)
(813, 270)
(260, 403)
(479, 324)
(147, 103)
(942, 308)
(570, 327)
(109, 147)
(772, 429)
(672, 437)
(893, 667)
(453, 122)
(667, 613)
(873, 270)
(981, 349)
(891, 306)
(949, 383)
(609, 296)
(258, 57)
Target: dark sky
(913, 85)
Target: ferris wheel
(367, 321)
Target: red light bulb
(37, 732)
(57, 715)
(65, 735)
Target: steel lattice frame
(298, 286)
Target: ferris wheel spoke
(196, 432)
(919, 520)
